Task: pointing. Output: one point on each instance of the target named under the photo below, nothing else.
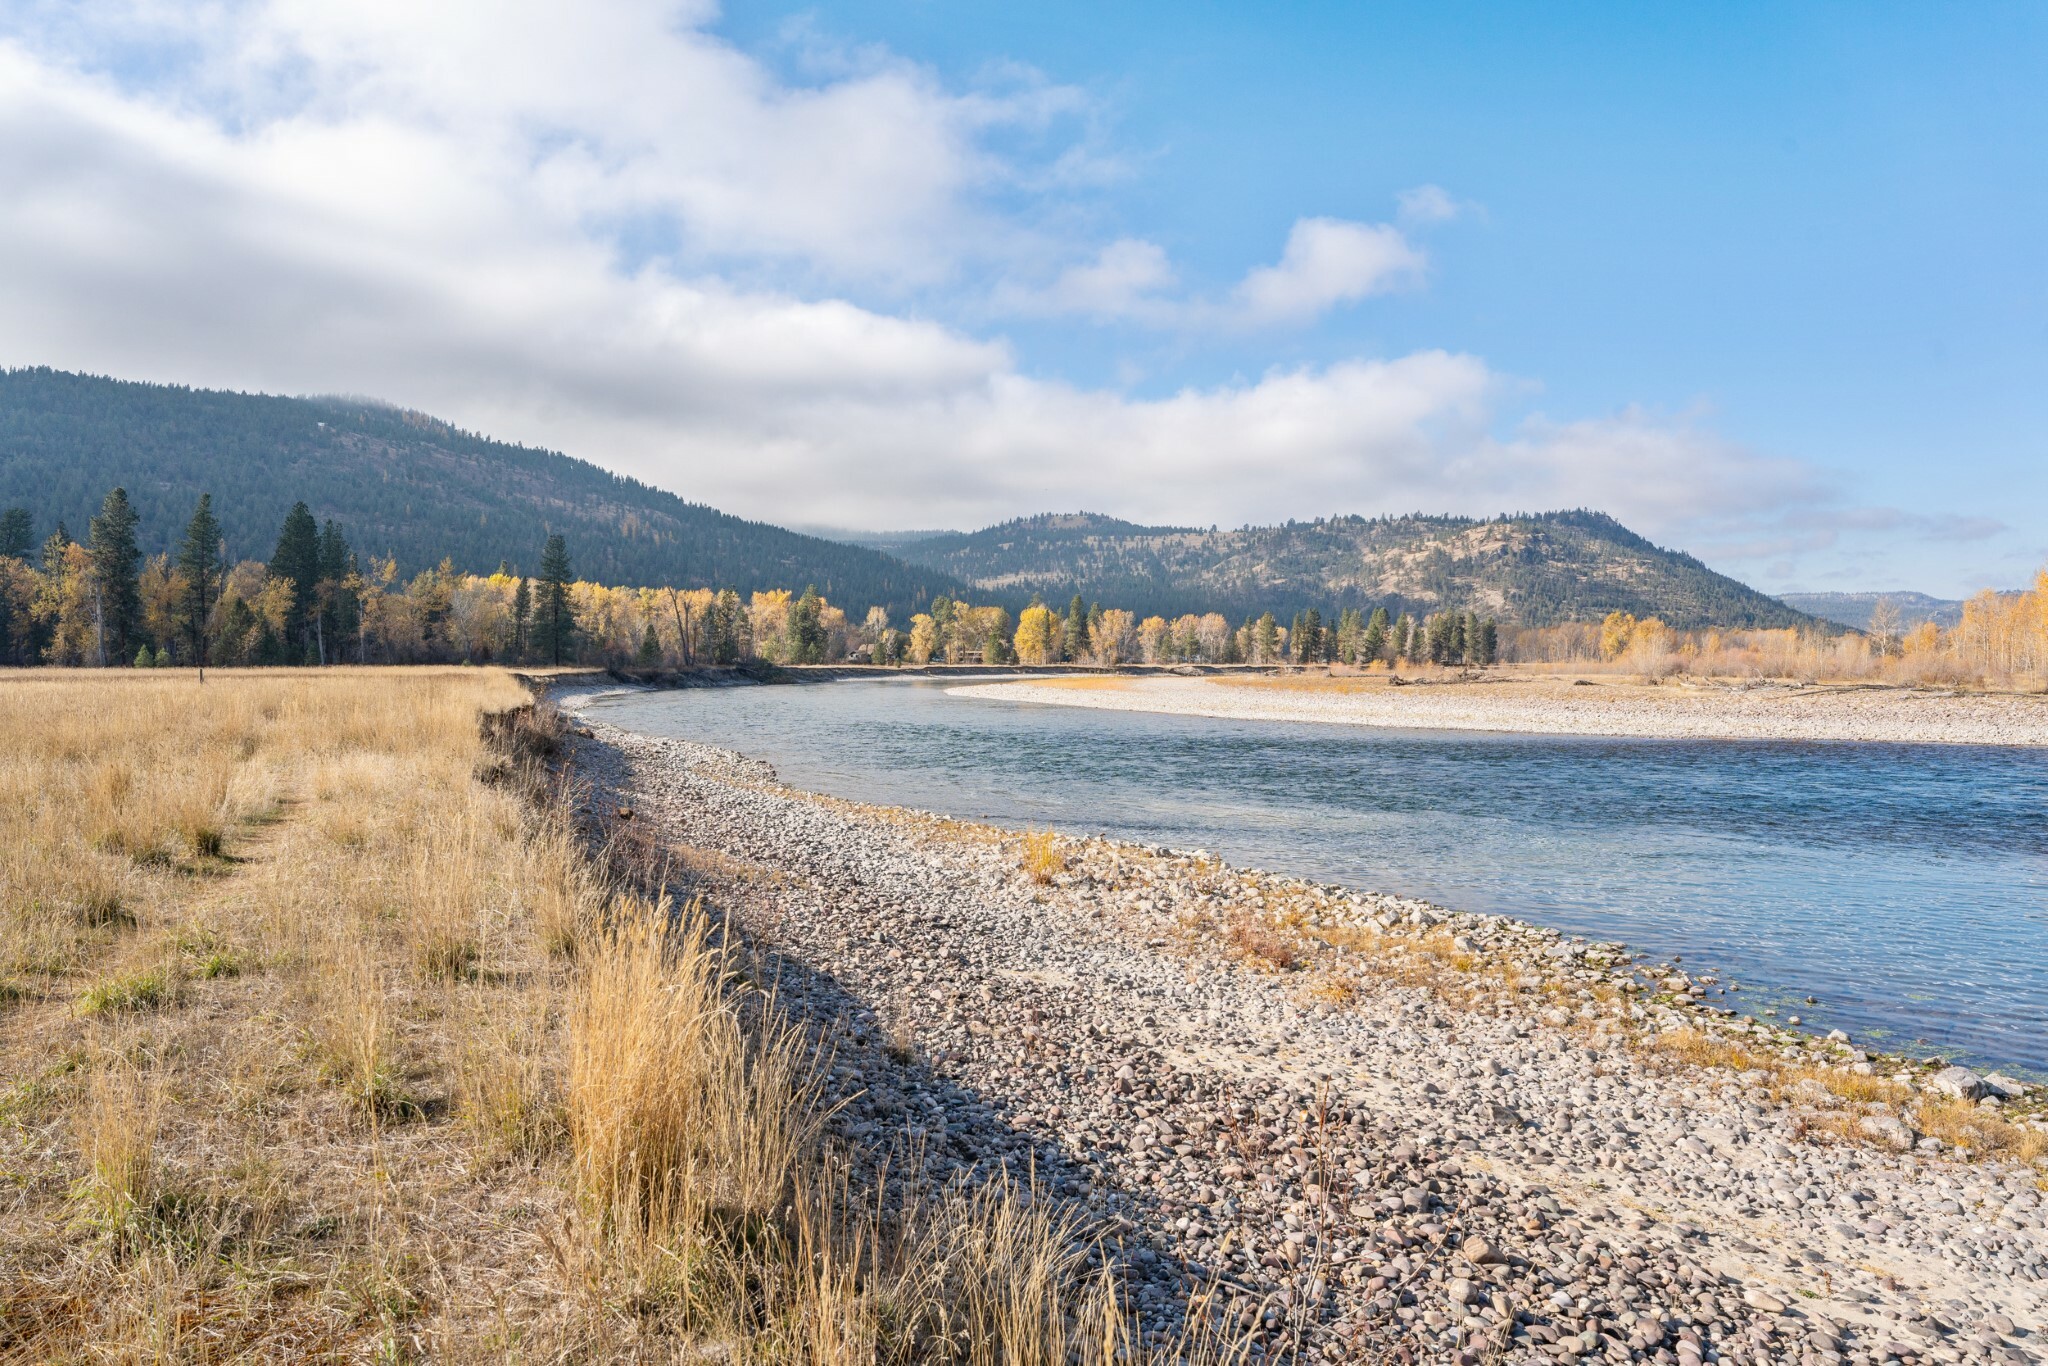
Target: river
(1904, 886)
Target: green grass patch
(137, 991)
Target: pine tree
(650, 649)
(117, 586)
(1076, 643)
(806, 633)
(1489, 643)
(1373, 644)
(17, 533)
(1267, 638)
(557, 619)
(337, 607)
(522, 616)
(1443, 638)
(297, 558)
(199, 560)
(1309, 646)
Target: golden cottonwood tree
(1034, 636)
(1111, 638)
(1152, 646)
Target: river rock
(1889, 1130)
(1959, 1082)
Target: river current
(1903, 886)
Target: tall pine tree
(199, 563)
(522, 617)
(557, 620)
(806, 629)
(335, 605)
(297, 558)
(117, 587)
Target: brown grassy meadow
(324, 1035)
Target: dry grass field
(324, 1036)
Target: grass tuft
(1043, 860)
(144, 990)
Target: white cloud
(1423, 205)
(1123, 282)
(1327, 262)
(452, 206)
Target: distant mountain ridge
(1854, 609)
(399, 483)
(1528, 569)
(406, 484)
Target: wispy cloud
(1426, 205)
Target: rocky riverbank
(1364, 1128)
(1677, 709)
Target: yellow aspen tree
(1111, 640)
(1034, 636)
(1616, 633)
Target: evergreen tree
(54, 546)
(336, 617)
(1350, 636)
(806, 632)
(650, 649)
(17, 533)
(199, 560)
(117, 587)
(522, 617)
(557, 619)
(1442, 640)
(1077, 630)
(995, 648)
(297, 558)
(1373, 644)
(1267, 638)
(1488, 652)
(726, 628)
(1309, 647)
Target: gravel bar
(1262, 1093)
(1543, 706)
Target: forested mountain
(1854, 609)
(1527, 570)
(400, 484)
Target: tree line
(316, 601)
(101, 602)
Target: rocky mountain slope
(1532, 570)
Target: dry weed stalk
(116, 1132)
(1043, 860)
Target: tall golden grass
(323, 1035)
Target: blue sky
(1769, 282)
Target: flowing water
(1905, 886)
